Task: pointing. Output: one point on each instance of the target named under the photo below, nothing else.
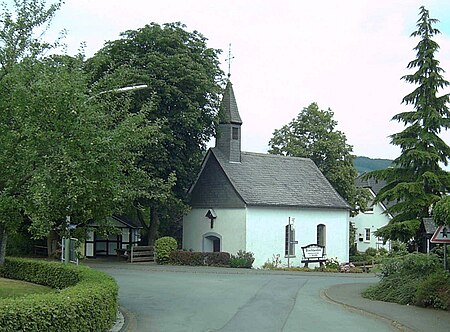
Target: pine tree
(417, 181)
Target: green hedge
(87, 300)
(195, 258)
(434, 291)
(163, 247)
(242, 259)
(413, 279)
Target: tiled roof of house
(375, 185)
(273, 180)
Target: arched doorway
(212, 242)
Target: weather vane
(229, 60)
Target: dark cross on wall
(229, 60)
(211, 215)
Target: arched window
(321, 235)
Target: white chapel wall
(266, 232)
(229, 225)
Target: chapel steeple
(228, 139)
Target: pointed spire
(228, 139)
(229, 112)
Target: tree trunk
(154, 225)
(3, 238)
(50, 243)
(140, 215)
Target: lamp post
(66, 241)
(120, 90)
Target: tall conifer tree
(417, 181)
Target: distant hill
(365, 164)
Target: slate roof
(273, 180)
(375, 186)
(429, 225)
(128, 221)
(228, 107)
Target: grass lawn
(16, 288)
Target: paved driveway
(219, 299)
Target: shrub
(163, 247)
(87, 300)
(398, 248)
(371, 252)
(195, 258)
(434, 291)
(19, 245)
(401, 277)
(242, 259)
(359, 257)
(332, 264)
(411, 265)
(192, 258)
(439, 251)
(274, 264)
(216, 258)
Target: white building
(369, 221)
(266, 204)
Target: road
(218, 299)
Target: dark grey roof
(429, 225)
(128, 221)
(375, 185)
(228, 112)
(273, 180)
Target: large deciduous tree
(416, 181)
(183, 86)
(17, 42)
(62, 153)
(313, 134)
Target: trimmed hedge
(195, 258)
(87, 300)
(163, 247)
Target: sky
(346, 55)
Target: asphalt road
(215, 299)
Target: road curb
(125, 322)
(399, 326)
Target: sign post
(291, 241)
(442, 235)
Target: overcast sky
(344, 55)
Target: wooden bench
(141, 254)
(306, 261)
